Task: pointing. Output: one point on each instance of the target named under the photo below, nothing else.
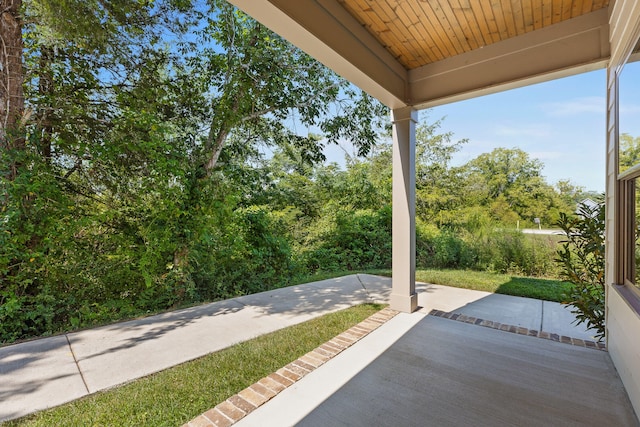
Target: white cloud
(587, 104)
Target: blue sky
(561, 123)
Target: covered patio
(416, 54)
(424, 370)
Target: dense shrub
(491, 249)
(582, 259)
(512, 252)
(442, 249)
(353, 240)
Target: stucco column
(403, 292)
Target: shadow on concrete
(154, 327)
(311, 298)
(32, 370)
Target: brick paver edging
(520, 330)
(237, 407)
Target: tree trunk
(45, 88)
(11, 79)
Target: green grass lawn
(177, 395)
(530, 287)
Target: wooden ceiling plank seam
(370, 20)
(476, 7)
(509, 18)
(538, 22)
(401, 36)
(587, 6)
(445, 13)
(566, 9)
(556, 11)
(529, 19)
(427, 11)
(518, 16)
(404, 22)
(547, 12)
(469, 29)
(360, 31)
(500, 18)
(599, 4)
(457, 27)
(576, 10)
(385, 38)
(491, 21)
(473, 23)
(411, 29)
(380, 29)
(425, 26)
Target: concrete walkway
(48, 372)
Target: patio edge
(240, 405)
(520, 330)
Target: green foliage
(582, 261)
(143, 184)
(133, 191)
(511, 186)
(353, 240)
(489, 248)
(512, 252)
(441, 249)
(629, 151)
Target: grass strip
(177, 395)
(530, 287)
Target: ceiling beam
(570, 47)
(326, 31)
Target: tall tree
(11, 79)
(437, 183)
(629, 151)
(134, 159)
(510, 181)
(261, 88)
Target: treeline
(132, 179)
(127, 129)
(269, 221)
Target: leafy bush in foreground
(582, 261)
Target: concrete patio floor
(421, 370)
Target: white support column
(403, 293)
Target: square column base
(404, 303)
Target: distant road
(543, 231)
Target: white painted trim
(624, 25)
(571, 47)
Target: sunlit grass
(530, 287)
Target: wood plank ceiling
(420, 32)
